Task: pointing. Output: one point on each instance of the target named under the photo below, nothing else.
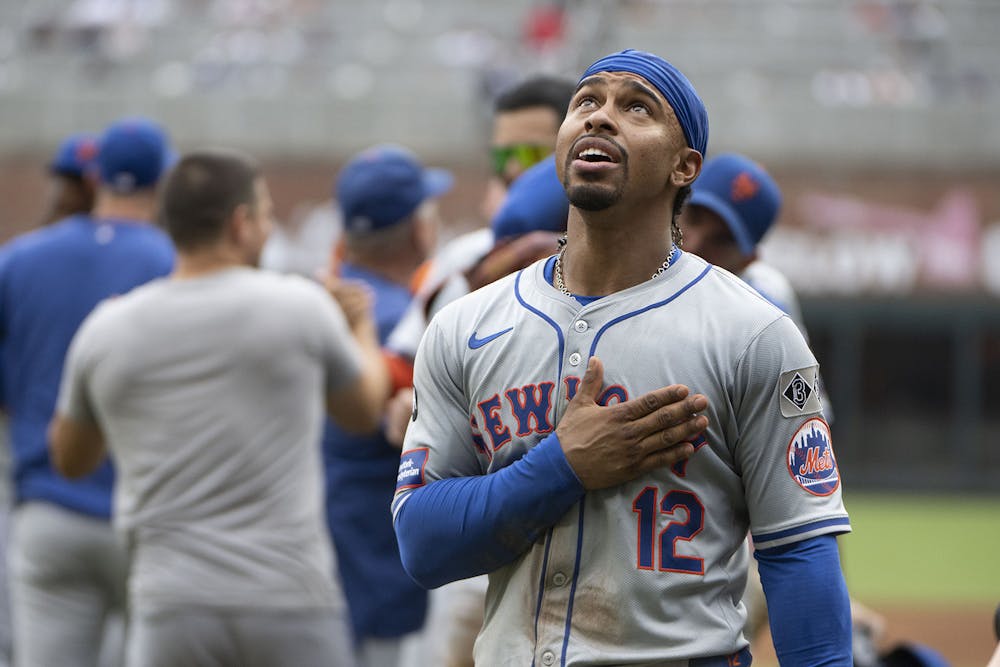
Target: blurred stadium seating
(903, 79)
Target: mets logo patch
(411, 469)
(810, 458)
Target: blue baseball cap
(75, 155)
(740, 192)
(132, 154)
(383, 185)
(536, 201)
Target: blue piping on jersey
(576, 576)
(651, 306)
(548, 541)
(774, 302)
(552, 323)
(579, 538)
(541, 588)
(798, 530)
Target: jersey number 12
(678, 529)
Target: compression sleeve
(460, 527)
(807, 602)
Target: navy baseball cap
(75, 155)
(132, 154)
(739, 191)
(383, 185)
(536, 201)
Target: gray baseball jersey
(648, 571)
(210, 393)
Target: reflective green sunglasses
(525, 154)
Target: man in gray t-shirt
(208, 388)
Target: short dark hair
(201, 193)
(537, 91)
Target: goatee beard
(593, 198)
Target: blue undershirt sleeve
(460, 527)
(807, 603)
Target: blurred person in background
(72, 186)
(208, 389)
(733, 204)
(526, 117)
(386, 199)
(71, 190)
(67, 569)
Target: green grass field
(913, 548)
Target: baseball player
(600, 430)
(525, 120)
(526, 117)
(385, 196)
(733, 204)
(71, 181)
(67, 568)
(209, 387)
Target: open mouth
(594, 155)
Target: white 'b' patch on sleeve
(799, 392)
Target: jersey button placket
(558, 579)
(575, 358)
(548, 658)
(580, 326)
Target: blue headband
(673, 85)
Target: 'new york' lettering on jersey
(483, 407)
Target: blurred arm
(359, 406)
(76, 448)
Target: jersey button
(580, 326)
(548, 658)
(574, 359)
(558, 579)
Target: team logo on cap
(411, 469)
(744, 187)
(86, 151)
(810, 458)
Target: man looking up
(557, 443)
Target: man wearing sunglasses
(525, 123)
(526, 117)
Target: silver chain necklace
(557, 270)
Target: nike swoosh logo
(476, 343)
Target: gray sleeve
(331, 340)
(784, 449)
(74, 390)
(439, 441)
